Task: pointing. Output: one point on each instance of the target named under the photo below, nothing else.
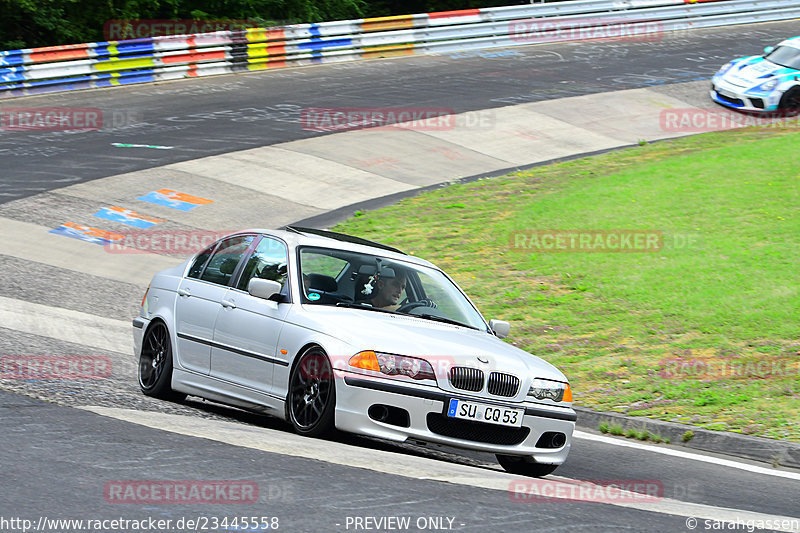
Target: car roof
(794, 42)
(297, 236)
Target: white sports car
(330, 331)
(761, 83)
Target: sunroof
(344, 238)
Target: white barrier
(63, 68)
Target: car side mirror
(768, 50)
(501, 328)
(263, 288)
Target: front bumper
(356, 394)
(734, 97)
(139, 327)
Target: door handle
(228, 304)
(184, 292)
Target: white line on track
(424, 468)
(687, 455)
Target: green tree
(34, 23)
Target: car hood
(753, 71)
(443, 345)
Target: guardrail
(105, 64)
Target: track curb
(774, 452)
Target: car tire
(524, 465)
(790, 101)
(155, 364)
(311, 402)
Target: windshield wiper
(446, 320)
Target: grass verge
(703, 331)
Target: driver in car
(389, 291)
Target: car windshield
(785, 56)
(352, 279)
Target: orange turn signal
(366, 360)
(567, 394)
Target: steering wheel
(405, 308)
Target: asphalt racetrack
(208, 116)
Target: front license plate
(481, 412)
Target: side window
(200, 261)
(267, 262)
(222, 264)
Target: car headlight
(766, 86)
(393, 365)
(545, 389)
(725, 68)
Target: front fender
(294, 339)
